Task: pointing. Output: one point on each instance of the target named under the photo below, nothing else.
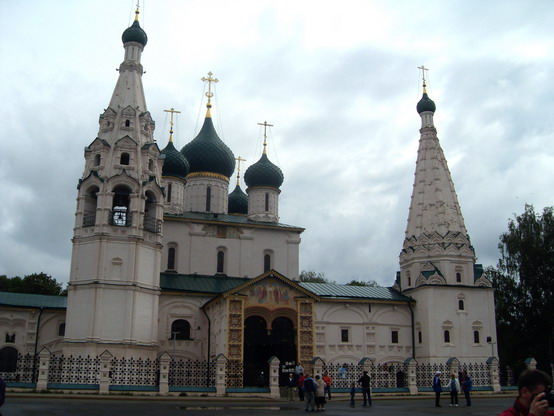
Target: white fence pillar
(165, 361)
(274, 363)
(494, 374)
(412, 375)
(105, 369)
(43, 366)
(220, 367)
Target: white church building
(168, 259)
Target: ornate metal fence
(135, 372)
(25, 370)
(344, 375)
(192, 373)
(426, 372)
(76, 370)
(234, 373)
(478, 372)
(506, 376)
(390, 375)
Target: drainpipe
(413, 330)
(209, 346)
(36, 342)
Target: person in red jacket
(533, 387)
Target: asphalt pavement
(38, 405)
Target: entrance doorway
(261, 343)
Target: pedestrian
(437, 388)
(298, 370)
(467, 385)
(319, 394)
(532, 386)
(365, 381)
(300, 385)
(309, 392)
(454, 389)
(292, 384)
(352, 393)
(327, 380)
(2, 391)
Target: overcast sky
(339, 82)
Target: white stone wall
(196, 191)
(257, 207)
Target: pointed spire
(172, 111)
(209, 94)
(239, 159)
(137, 12)
(266, 125)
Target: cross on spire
(209, 80)
(137, 11)
(266, 125)
(423, 69)
(172, 111)
(239, 159)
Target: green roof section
(264, 173)
(27, 300)
(199, 283)
(331, 290)
(229, 219)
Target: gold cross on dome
(423, 69)
(209, 80)
(172, 111)
(266, 125)
(239, 159)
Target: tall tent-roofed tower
(114, 280)
(211, 165)
(263, 179)
(455, 302)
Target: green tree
(524, 288)
(369, 283)
(311, 276)
(36, 283)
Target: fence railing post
(411, 365)
(220, 367)
(494, 374)
(274, 364)
(43, 367)
(105, 370)
(165, 361)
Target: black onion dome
(426, 104)
(175, 163)
(208, 153)
(134, 33)
(263, 173)
(238, 201)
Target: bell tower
(114, 280)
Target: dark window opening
(171, 258)
(458, 277)
(124, 160)
(447, 336)
(127, 123)
(97, 160)
(150, 222)
(394, 337)
(419, 337)
(180, 330)
(267, 201)
(344, 335)
(369, 308)
(120, 215)
(220, 261)
(461, 304)
(10, 338)
(169, 189)
(89, 210)
(267, 263)
(8, 360)
(476, 338)
(61, 330)
(208, 199)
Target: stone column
(43, 366)
(105, 369)
(165, 361)
(412, 375)
(494, 374)
(274, 364)
(220, 367)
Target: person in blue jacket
(466, 387)
(437, 388)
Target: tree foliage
(369, 283)
(524, 288)
(36, 283)
(311, 276)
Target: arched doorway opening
(261, 343)
(8, 360)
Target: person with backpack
(365, 381)
(309, 392)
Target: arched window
(89, 210)
(169, 189)
(127, 123)
(460, 304)
(124, 160)
(61, 330)
(171, 258)
(419, 337)
(476, 338)
(267, 201)
(458, 277)
(220, 261)
(208, 198)
(267, 262)
(151, 165)
(150, 222)
(120, 215)
(8, 360)
(447, 336)
(409, 278)
(97, 160)
(180, 330)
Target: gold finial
(423, 69)
(209, 94)
(172, 111)
(137, 11)
(239, 159)
(266, 125)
